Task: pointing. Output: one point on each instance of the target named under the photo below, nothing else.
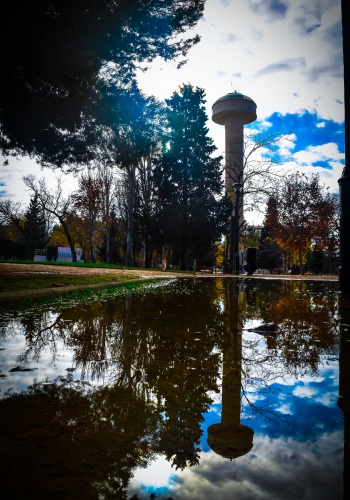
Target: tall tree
(36, 224)
(188, 178)
(31, 223)
(269, 255)
(88, 201)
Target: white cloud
(285, 409)
(303, 391)
(321, 153)
(157, 474)
(14, 187)
(327, 399)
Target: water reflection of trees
(158, 358)
(306, 315)
(307, 318)
(159, 363)
(60, 441)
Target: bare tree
(262, 168)
(54, 202)
(107, 177)
(88, 201)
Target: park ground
(33, 280)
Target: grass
(98, 265)
(20, 282)
(80, 296)
(24, 281)
(12, 282)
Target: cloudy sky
(284, 54)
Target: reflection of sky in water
(275, 468)
(299, 454)
(54, 360)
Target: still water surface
(171, 392)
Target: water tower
(234, 110)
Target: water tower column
(233, 152)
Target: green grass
(68, 264)
(20, 282)
(78, 297)
(12, 282)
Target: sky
(284, 54)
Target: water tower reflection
(230, 438)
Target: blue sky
(284, 54)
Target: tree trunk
(108, 244)
(69, 238)
(130, 217)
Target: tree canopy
(301, 215)
(62, 58)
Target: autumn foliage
(301, 216)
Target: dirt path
(138, 273)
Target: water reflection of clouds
(285, 409)
(45, 368)
(304, 391)
(275, 468)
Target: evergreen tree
(269, 255)
(188, 179)
(35, 227)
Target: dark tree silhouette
(61, 56)
(188, 178)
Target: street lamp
(238, 191)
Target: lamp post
(238, 191)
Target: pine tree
(188, 179)
(35, 227)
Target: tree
(327, 235)
(88, 201)
(61, 56)
(262, 170)
(106, 177)
(269, 255)
(54, 203)
(298, 215)
(31, 223)
(188, 179)
(36, 225)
